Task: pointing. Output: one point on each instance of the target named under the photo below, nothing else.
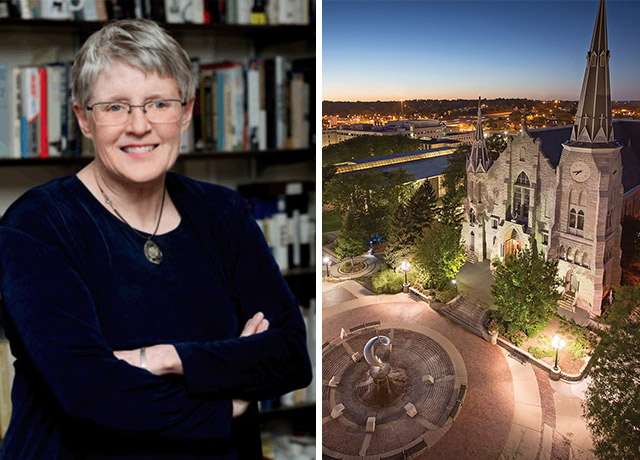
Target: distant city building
(568, 187)
(416, 129)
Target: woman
(143, 308)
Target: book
(30, 106)
(56, 95)
(5, 113)
(53, 9)
(256, 110)
(44, 134)
(184, 11)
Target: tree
(438, 255)
(455, 174)
(515, 117)
(352, 241)
(399, 242)
(422, 209)
(612, 404)
(525, 290)
(370, 194)
(451, 211)
(630, 242)
(626, 305)
(496, 145)
(366, 147)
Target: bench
(519, 356)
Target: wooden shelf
(271, 33)
(267, 156)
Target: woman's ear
(83, 120)
(187, 113)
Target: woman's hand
(160, 359)
(164, 359)
(255, 325)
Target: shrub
(540, 353)
(387, 281)
(518, 338)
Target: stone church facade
(561, 187)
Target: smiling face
(137, 152)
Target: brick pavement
(484, 422)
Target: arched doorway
(571, 283)
(511, 243)
(472, 243)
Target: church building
(566, 188)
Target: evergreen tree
(455, 174)
(612, 405)
(451, 212)
(353, 240)
(439, 255)
(525, 290)
(422, 209)
(400, 241)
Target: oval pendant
(152, 252)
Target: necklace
(151, 250)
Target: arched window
(522, 198)
(522, 154)
(580, 220)
(572, 218)
(570, 255)
(479, 192)
(609, 218)
(472, 217)
(561, 252)
(494, 240)
(471, 191)
(585, 260)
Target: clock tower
(586, 230)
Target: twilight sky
(421, 49)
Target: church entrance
(511, 244)
(472, 243)
(571, 282)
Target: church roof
(625, 132)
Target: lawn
(331, 221)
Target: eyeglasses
(118, 113)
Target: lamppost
(405, 266)
(327, 262)
(557, 343)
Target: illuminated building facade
(566, 188)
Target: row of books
(258, 12)
(36, 113)
(286, 215)
(263, 104)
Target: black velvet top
(76, 285)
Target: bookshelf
(40, 41)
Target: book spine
(44, 135)
(55, 107)
(30, 96)
(5, 117)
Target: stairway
(566, 302)
(472, 258)
(468, 314)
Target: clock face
(580, 171)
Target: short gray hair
(139, 43)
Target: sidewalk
(545, 419)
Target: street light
(327, 262)
(405, 266)
(557, 343)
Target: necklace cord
(110, 203)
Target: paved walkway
(371, 263)
(512, 411)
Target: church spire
(593, 118)
(479, 159)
